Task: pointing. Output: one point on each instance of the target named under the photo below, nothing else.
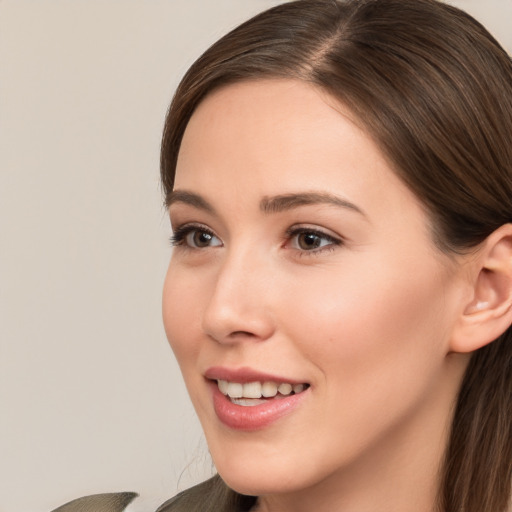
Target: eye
(194, 237)
(311, 240)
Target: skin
(366, 318)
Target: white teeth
(269, 389)
(247, 402)
(285, 388)
(255, 390)
(235, 390)
(223, 386)
(298, 388)
(252, 390)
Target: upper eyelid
(179, 226)
(334, 240)
(296, 228)
(192, 226)
(307, 229)
(182, 213)
(301, 228)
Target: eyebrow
(195, 200)
(285, 202)
(274, 204)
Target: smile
(254, 393)
(249, 399)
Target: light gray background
(90, 397)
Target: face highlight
(305, 301)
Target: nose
(240, 307)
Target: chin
(258, 485)
(264, 475)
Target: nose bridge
(239, 305)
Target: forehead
(282, 128)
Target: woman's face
(301, 259)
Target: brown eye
(194, 237)
(199, 239)
(308, 241)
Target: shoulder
(213, 495)
(109, 502)
(192, 498)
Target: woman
(339, 181)
(339, 299)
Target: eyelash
(179, 238)
(333, 242)
(180, 234)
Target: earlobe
(489, 312)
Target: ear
(489, 312)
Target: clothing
(209, 496)
(109, 502)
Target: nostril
(242, 333)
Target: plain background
(91, 399)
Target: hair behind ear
(480, 446)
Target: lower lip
(240, 417)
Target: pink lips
(239, 417)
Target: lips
(245, 399)
(244, 375)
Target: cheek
(180, 320)
(360, 327)
(378, 348)
(181, 300)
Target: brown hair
(434, 90)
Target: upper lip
(245, 374)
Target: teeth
(235, 390)
(298, 388)
(247, 402)
(285, 388)
(223, 386)
(255, 390)
(252, 390)
(269, 389)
